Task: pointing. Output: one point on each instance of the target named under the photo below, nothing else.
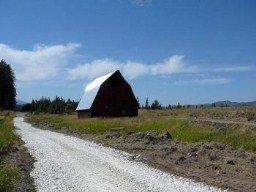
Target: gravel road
(66, 163)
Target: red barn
(108, 96)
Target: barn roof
(91, 91)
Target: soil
(19, 157)
(211, 163)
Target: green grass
(8, 173)
(162, 121)
(7, 137)
(243, 137)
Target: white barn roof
(91, 91)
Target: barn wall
(83, 114)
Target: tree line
(55, 106)
(7, 87)
(156, 105)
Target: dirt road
(66, 163)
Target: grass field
(176, 121)
(8, 173)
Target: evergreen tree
(147, 104)
(169, 106)
(179, 105)
(156, 105)
(56, 106)
(7, 86)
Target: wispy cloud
(41, 63)
(213, 81)
(130, 69)
(234, 69)
(142, 3)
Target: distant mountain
(233, 104)
(252, 103)
(20, 103)
(226, 104)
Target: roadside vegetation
(8, 173)
(178, 122)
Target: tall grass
(244, 137)
(160, 122)
(8, 173)
(7, 137)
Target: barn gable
(108, 96)
(90, 92)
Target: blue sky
(196, 51)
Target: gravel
(66, 163)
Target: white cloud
(44, 63)
(130, 69)
(41, 63)
(94, 69)
(133, 69)
(171, 65)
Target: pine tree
(147, 104)
(179, 105)
(156, 105)
(7, 86)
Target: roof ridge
(98, 81)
